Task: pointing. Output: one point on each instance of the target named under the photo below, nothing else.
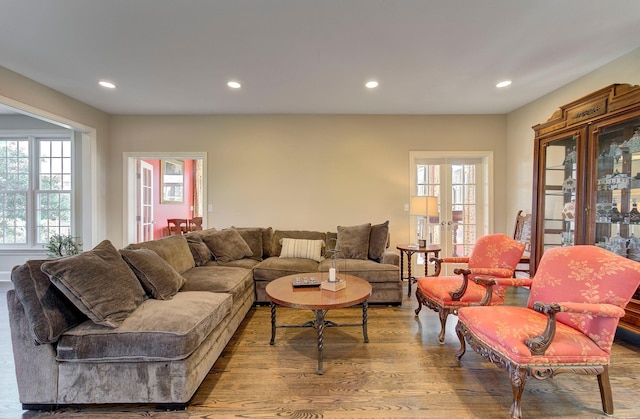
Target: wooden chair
(195, 224)
(577, 297)
(495, 254)
(175, 226)
(522, 233)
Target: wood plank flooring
(402, 373)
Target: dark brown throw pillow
(157, 277)
(378, 239)
(49, 312)
(99, 283)
(353, 241)
(227, 245)
(201, 253)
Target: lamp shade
(424, 206)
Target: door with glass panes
(462, 185)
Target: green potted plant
(60, 246)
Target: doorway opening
(161, 186)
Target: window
(36, 192)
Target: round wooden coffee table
(282, 292)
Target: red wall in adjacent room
(163, 211)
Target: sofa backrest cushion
(227, 245)
(278, 235)
(48, 311)
(253, 237)
(157, 277)
(99, 283)
(378, 240)
(173, 249)
(353, 241)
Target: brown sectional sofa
(145, 324)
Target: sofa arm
(36, 366)
(390, 257)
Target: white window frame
(34, 137)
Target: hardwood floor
(402, 373)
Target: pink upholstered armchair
(577, 296)
(493, 256)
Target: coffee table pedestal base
(320, 323)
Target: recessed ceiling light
(371, 84)
(234, 85)
(107, 84)
(503, 83)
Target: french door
(462, 183)
(145, 202)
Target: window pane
(54, 214)
(13, 218)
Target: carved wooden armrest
(488, 282)
(539, 344)
(457, 294)
(437, 264)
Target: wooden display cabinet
(586, 185)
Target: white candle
(332, 274)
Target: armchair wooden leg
(443, 314)
(463, 344)
(420, 298)
(518, 380)
(605, 391)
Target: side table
(409, 250)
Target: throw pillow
(302, 249)
(378, 240)
(227, 245)
(157, 277)
(353, 241)
(253, 237)
(99, 283)
(199, 250)
(48, 311)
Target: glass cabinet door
(560, 177)
(616, 222)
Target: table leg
(273, 324)
(409, 254)
(320, 323)
(364, 321)
(402, 265)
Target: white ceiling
(313, 56)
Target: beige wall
(306, 171)
(520, 135)
(35, 99)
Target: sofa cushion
(227, 245)
(48, 311)
(276, 267)
(302, 248)
(253, 237)
(278, 235)
(378, 240)
(369, 270)
(199, 250)
(353, 241)
(99, 283)
(218, 278)
(159, 330)
(173, 249)
(157, 277)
